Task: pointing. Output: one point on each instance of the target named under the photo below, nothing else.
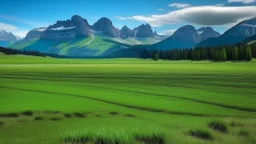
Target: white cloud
(23, 21)
(123, 18)
(13, 29)
(179, 5)
(160, 9)
(21, 33)
(241, 1)
(200, 15)
(7, 27)
(167, 32)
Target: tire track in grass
(160, 95)
(149, 109)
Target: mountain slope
(186, 37)
(234, 35)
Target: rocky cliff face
(69, 29)
(126, 32)
(143, 31)
(106, 27)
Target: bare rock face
(68, 29)
(106, 27)
(143, 31)
(126, 32)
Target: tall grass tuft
(152, 136)
(218, 126)
(201, 134)
(111, 136)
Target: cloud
(21, 33)
(200, 15)
(160, 9)
(7, 27)
(167, 32)
(179, 5)
(241, 1)
(13, 29)
(123, 18)
(23, 21)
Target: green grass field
(64, 101)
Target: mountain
(250, 40)
(105, 26)
(234, 35)
(143, 31)
(76, 37)
(126, 32)
(67, 30)
(206, 33)
(7, 38)
(186, 37)
(35, 33)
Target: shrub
(39, 118)
(68, 115)
(10, 115)
(201, 134)
(80, 115)
(218, 126)
(27, 113)
(114, 113)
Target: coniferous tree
(235, 53)
(248, 54)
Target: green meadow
(126, 101)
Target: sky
(165, 16)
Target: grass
(174, 96)
(243, 132)
(219, 126)
(56, 118)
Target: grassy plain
(47, 100)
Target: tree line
(10, 51)
(239, 52)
